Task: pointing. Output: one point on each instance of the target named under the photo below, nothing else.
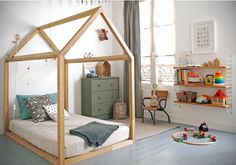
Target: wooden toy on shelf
(205, 65)
(219, 80)
(219, 98)
(193, 77)
(209, 80)
(216, 63)
(203, 99)
(103, 69)
(209, 64)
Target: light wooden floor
(159, 149)
(147, 129)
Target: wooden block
(103, 69)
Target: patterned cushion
(35, 107)
(24, 112)
(52, 112)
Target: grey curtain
(132, 39)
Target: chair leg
(150, 114)
(167, 115)
(143, 116)
(154, 118)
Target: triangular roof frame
(93, 13)
(62, 82)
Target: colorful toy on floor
(213, 138)
(202, 137)
(185, 136)
(219, 80)
(189, 129)
(203, 127)
(186, 129)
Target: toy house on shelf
(103, 69)
(219, 98)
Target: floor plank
(159, 149)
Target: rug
(147, 129)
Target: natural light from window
(157, 41)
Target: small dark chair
(162, 99)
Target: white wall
(22, 17)
(118, 20)
(224, 14)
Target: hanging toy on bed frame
(102, 34)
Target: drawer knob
(99, 109)
(111, 84)
(99, 97)
(99, 85)
(112, 96)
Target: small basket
(119, 110)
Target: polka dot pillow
(52, 112)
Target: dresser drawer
(101, 109)
(105, 96)
(104, 84)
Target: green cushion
(24, 113)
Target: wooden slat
(131, 99)
(60, 101)
(208, 105)
(23, 43)
(116, 34)
(48, 41)
(45, 155)
(203, 85)
(97, 152)
(66, 87)
(38, 56)
(69, 19)
(6, 96)
(81, 31)
(200, 67)
(98, 59)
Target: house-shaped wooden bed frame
(62, 82)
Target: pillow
(24, 113)
(52, 112)
(35, 107)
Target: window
(157, 41)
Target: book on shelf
(182, 76)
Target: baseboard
(1, 129)
(221, 126)
(195, 121)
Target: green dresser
(98, 96)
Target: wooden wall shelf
(202, 85)
(209, 105)
(200, 67)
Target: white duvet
(44, 134)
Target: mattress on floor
(44, 134)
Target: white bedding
(44, 134)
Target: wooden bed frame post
(6, 96)
(60, 101)
(131, 98)
(66, 86)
